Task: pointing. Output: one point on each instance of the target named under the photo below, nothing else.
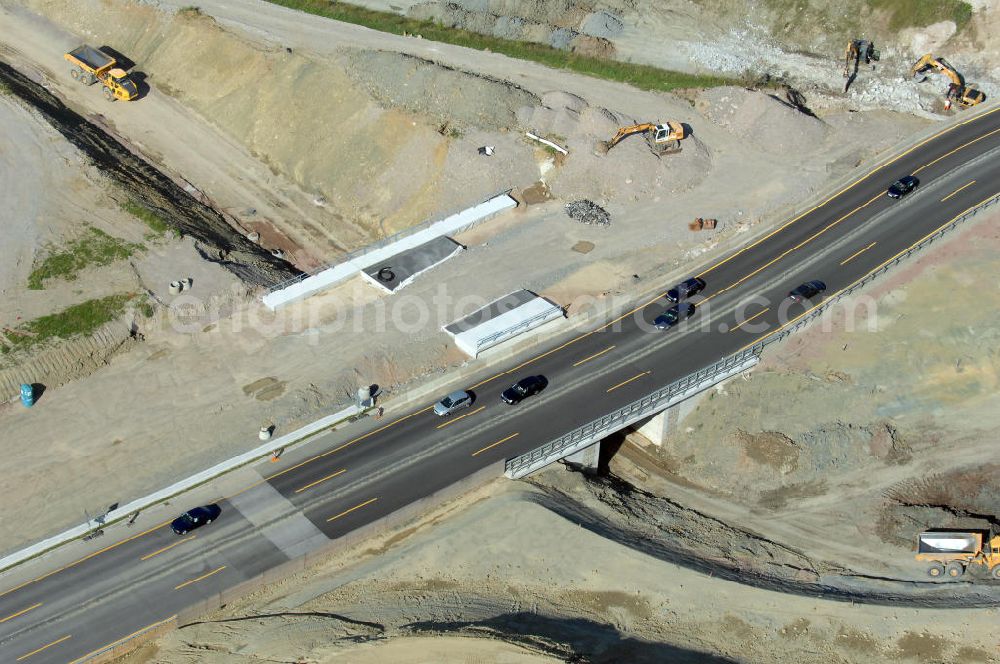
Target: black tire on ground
(108, 94)
(954, 570)
(935, 571)
(995, 572)
(76, 73)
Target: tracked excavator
(857, 49)
(662, 138)
(965, 95)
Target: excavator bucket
(602, 147)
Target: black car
(523, 389)
(902, 186)
(685, 289)
(807, 290)
(674, 315)
(196, 518)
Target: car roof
(457, 394)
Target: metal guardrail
(875, 274)
(527, 322)
(378, 244)
(649, 403)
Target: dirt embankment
(153, 190)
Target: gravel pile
(588, 212)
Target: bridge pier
(586, 460)
(659, 426)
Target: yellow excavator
(662, 138)
(965, 95)
(857, 49)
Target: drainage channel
(147, 186)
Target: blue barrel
(27, 395)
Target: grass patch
(155, 222)
(95, 248)
(79, 319)
(644, 77)
(4, 88)
(920, 13)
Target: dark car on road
(674, 315)
(685, 289)
(196, 518)
(902, 186)
(807, 290)
(523, 389)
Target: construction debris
(703, 224)
(588, 212)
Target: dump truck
(91, 65)
(950, 553)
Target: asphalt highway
(368, 470)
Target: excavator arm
(628, 131)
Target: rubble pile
(588, 212)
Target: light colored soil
(202, 358)
(509, 569)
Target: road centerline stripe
(957, 190)
(90, 654)
(200, 578)
(492, 445)
(20, 613)
(857, 253)
(948, 154)
(348, 511)
(452, 421)
(879, 267)
(167, 548)
(597, 354)
(626, 382)
(328, 477)
(759, 313)
(46, 646)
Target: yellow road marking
(356, 507)
(502, 440)
(488, 380)
(200, 578)
(948, 154)
(456, 419)
(319, 456)
(957, 190)
(799, 245)
(857, 253)
(20, 613)
(851, 186)
(883, 264)
(167, 548)
(48, 645)
(328, 477)
(636, 377)
(123, 639)
(558, 348)
(598, 354)
(759, 313)
(84, 559)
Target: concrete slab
(394, 272)
(506, 303)
(501, 320)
